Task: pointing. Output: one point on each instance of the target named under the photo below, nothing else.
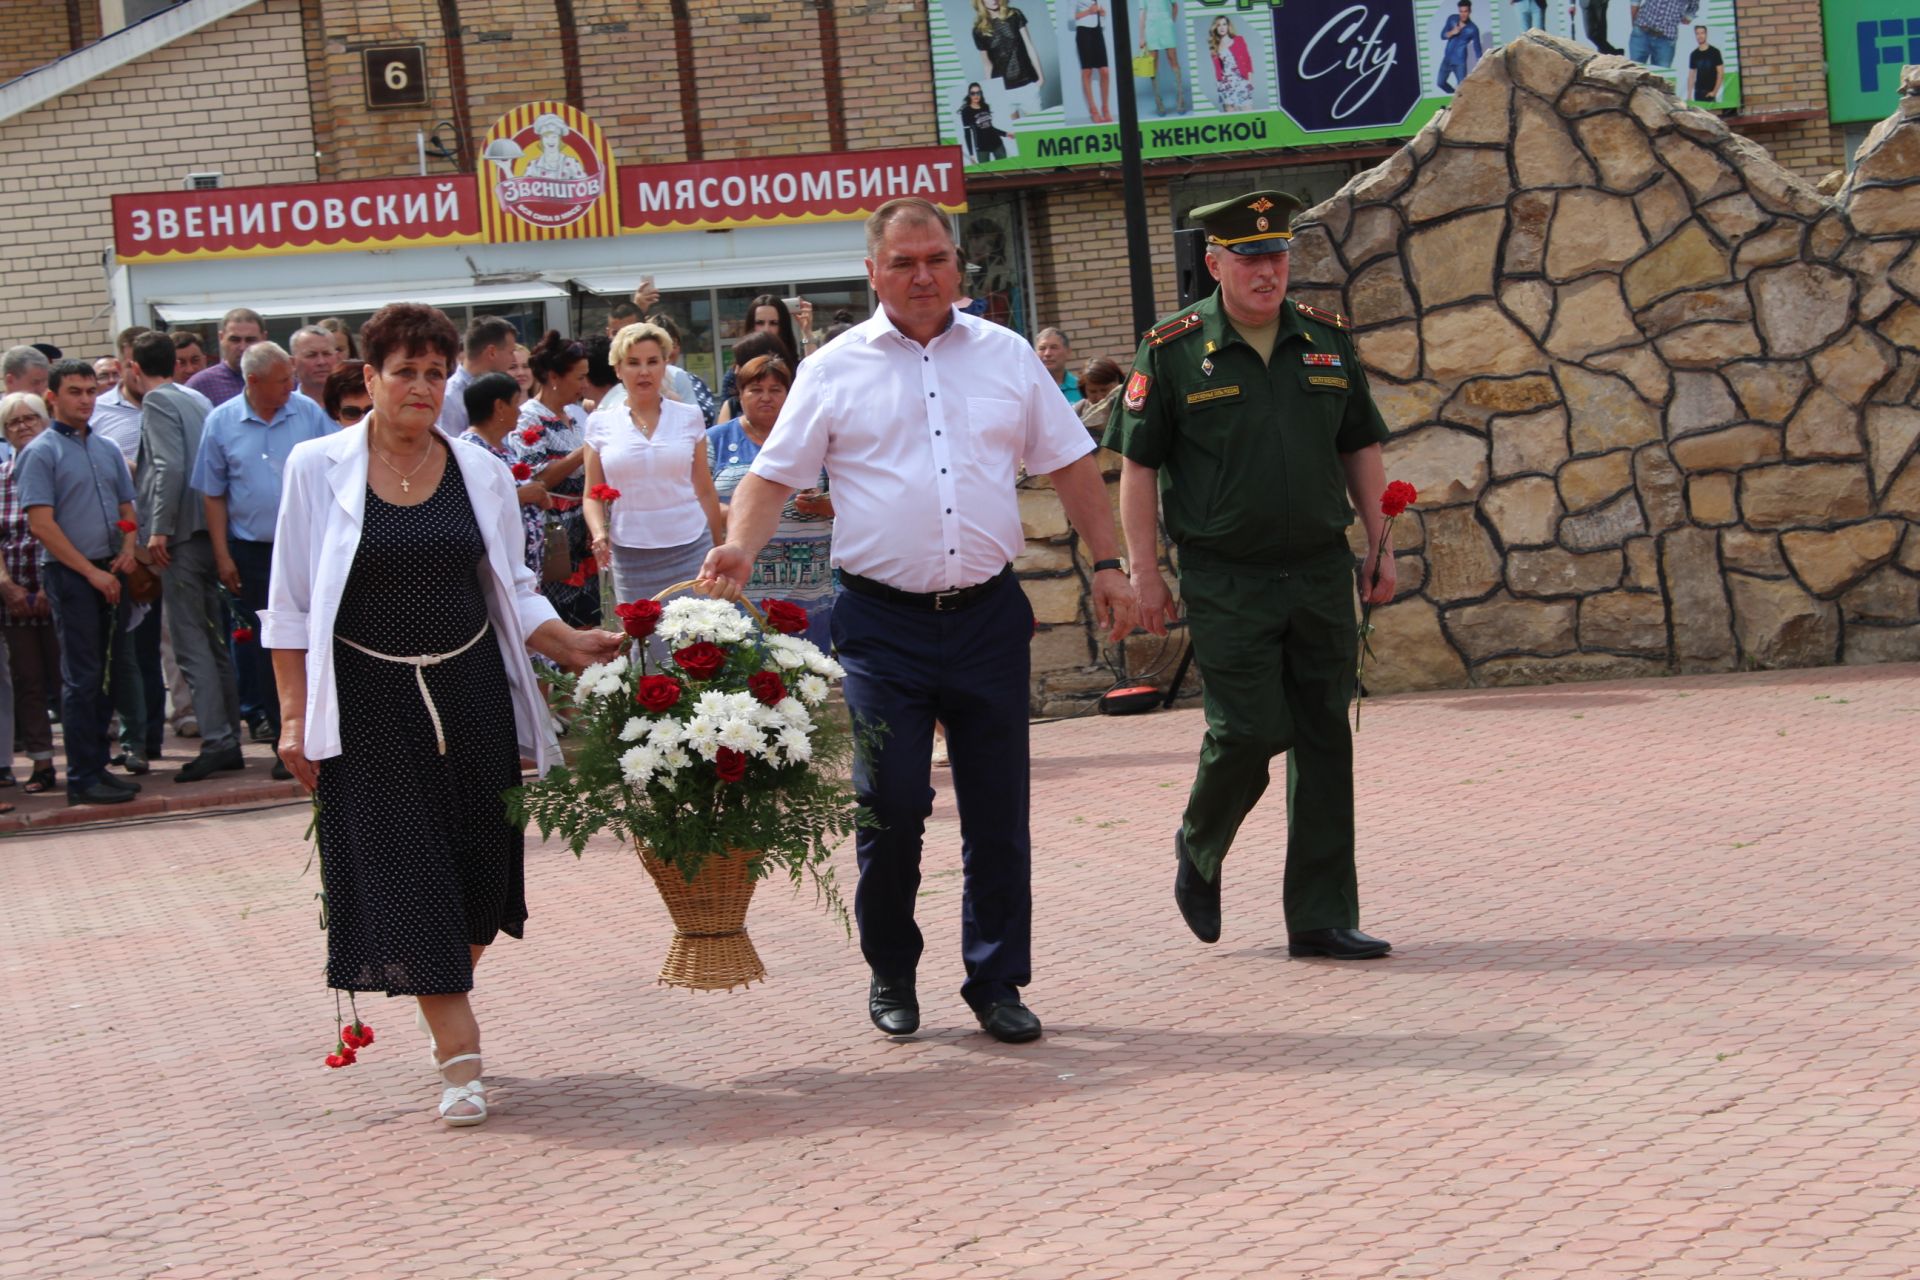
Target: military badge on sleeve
(1136, 395)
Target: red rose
(532, 435)
(243, 634)
(786, 617)
(1398, 497)
(603, 492)
(767, 686)
(657, 693)
(589, 567)
(729, 765)
(701, 660)
(522, 472)
(125, 526)
(639, 618)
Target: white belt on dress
(420, 664)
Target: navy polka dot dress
(417, 857)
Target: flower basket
(710, 950)
(721, 763)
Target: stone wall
(1657, 393)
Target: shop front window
(993, 241)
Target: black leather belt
(933, 601)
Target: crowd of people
(137, 541)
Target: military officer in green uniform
(1248, 417)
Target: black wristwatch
(1099, 565)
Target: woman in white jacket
(401, 613)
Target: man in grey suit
(173, 518)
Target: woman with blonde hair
(651, 450)
(1232, 65)
(1005, 41)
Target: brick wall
(1078, 239)
(355, 141)
(1783, 69)
(232, 98)
(761, 88)
(887, 76)
(630, 78)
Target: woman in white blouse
(651, 449)
(401, 610)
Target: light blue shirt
(84, 480)
(242, 459)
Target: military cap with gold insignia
(1258, 222)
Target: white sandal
(453, 1095)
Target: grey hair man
(244, 445)
(314, 357)
(1056, 353)
(23, 368)
(173, 516)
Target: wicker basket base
(710, 950)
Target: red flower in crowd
(125, 526)
(243, 634)
(657, 693)
(767, 686)
(338, 1060)
(702, 660)
(578, 578)
(522, 472)
(589, 567)
(603, 493)
(1397, 498)
(639, 618)
(729, 765)
(786, 617)
(356, 1035)
(532, 435)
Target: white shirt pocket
(994, 437)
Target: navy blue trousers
(253, 665)
(93, 642)
(967, 668)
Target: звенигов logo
(549, 173)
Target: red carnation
(767, 686)
(522, 472)
(1398, 497)
(243, 634)
(729, 765)
(336, 1061)
(701, 660)
(125, 526)
(578, 578)
(786, 617)
(589, 567)
(603, 492)
(639, 618)
(657, 693)
(532, 435)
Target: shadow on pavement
(1548, 955)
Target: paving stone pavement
(1652, 1013)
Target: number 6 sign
(396, 75)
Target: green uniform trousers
(1276, 649)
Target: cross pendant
(406, 485)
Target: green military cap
(1258, 222)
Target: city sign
(1868, 41)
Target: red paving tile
(1651, 1013)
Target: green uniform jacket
(1248, 454)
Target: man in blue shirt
(243, 453)
(1463, 48)
(78, 496)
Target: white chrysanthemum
(666, 733)
(787, 659)
(674, 759)
(638, 764)
(618, 666)
(702, 737)
(765, 717)
(821, 665)
(633, 730)
(813, 689)
(741, 735)
(797, 745)
(791, 712)
(713, 702)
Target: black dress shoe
(1009, 1021)
(133, 762)
(208, 763)
(263, 732)
(893, 1005)
(1337, 944)
(98, 793)
(127, 785)
(1199, 901)
(280, 771)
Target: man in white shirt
(923, 417)
(116, 413)
(314, 358)
(488, 349)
